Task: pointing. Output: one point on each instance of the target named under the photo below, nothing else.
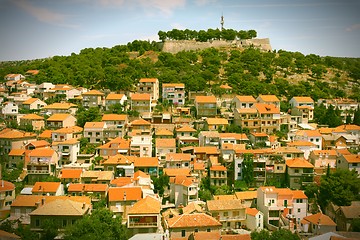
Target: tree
(248, 168)
(284, 234)
(356, 119)
(355, 225)
(340, 187)
(99, 225)
(262, 235)
(50, 229)
(87, 115)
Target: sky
(31, 29)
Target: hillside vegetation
(249, 71)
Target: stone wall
(174, 46)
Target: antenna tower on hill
(222, 21)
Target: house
(103, 177)
(14, 77)
(33, 104)
(7, 196)
(321, 159)
(149, 165)
(16, 157)
(313, 136)
(186, 134)
(31, 73)
(216, 124)
(177, 160)
(120, 199)
(273, 202)
(116, 125)
(174, 93)
(70, 175)
(65, 107)
(141, 146)
(95, 131)
(14, 139)
(305, 146)
(115, 146)
(183, 190)
(254, 219)
(60, 120)
(48, 189)
(269, 99)
(140, 127)
(66, 133)
(303, 107)
(231, 213)
(149, 86)
(218, 175)
(144, 216)
(121, 165)
(94, 191)
(345, 215)
(247, 118)
(64, 211)
(93, 98)
(141, 102)
(345, 105)
(164, 147)
(164, 133)
(317, 224)
(205, 106)
(36, 122)
(43, 88)
(269, 117)
(299, 172)
(9, 110)
(248, 198)
(114, 98)
(67, 150)
(242, 102)
(350, 161)
(184, 225)
(43, 163)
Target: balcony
(38, 171)
(259, 169)
(233, 218)
(142, 225)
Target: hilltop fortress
(174, 46)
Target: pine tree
(356, 119)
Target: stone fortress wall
(174, 46)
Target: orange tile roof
(207, 150)
(30, 101)
(9, 133)
(140, 122)
(121, 181)
(148, 205)
(114, 96)
(166, 85)
(221, 205)
(246, 195)
(140, 174)
(237, 136)
(328, 152)
(264, 108)
(178, 157)
(146, 162)
(186, 128)
(62, 207)
(309, 133)
(217, 121)
(47, 187)
(33, 72)
(206, 235)
(224, 197)
(140, 97)
(205, 99)
(252, 211)
(199, 166)
(348, 127)
(32, 117)
(269, 98)
(39, 143)
(6, 186)
(94, 125)
(246, 110)
(99, 175)
(193, 221)
(165, 142)
(63, 106)
(164, 132)
(143, 80)
(225, 86)
(42, 152)
(58, 117)
(124, 194)
(114, 117)
(17, 152)
(303, 99)
(352, 158)
(70, 141)
(70, 173)
(298, 163)
(33, 200)
(298, 194)
(93, 92)
(326, 130)
(250, 99)
(173, 172)
(236, 237)
(45, 134)
(72, 129)
(218, 168)
(320, 219)
(301, 143)
(80, 187)
(343, 151)
(259, 134)
(116, 143)
(118, 159)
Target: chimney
(43, 201)
(124, 196)
(83, 206)
(37, 204)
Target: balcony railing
(152, 224)
(38, 171)
(232, 218)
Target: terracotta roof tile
(268, 98)
(42, 152)
(206, 235)
(164, 132)
(252, 211)
(304, 99)
(6, 186)
(186, 128)
(301, 143)
(99, 175)
(207, 150)
(250, 99)
(9, 133)
(146, 162)
(352, 158)
(71, 173)
(298, 163)
(217, 121)
(140, 174)
(140, 122)
(47, 187)
(141, 97)
(30, 101)
(173, 172)
(264, 108)
(205, 99)
(124, 194)
(193, 220)
(32, 117)
(72, 129)
(114, 117)
(60, 207)
(178, 157)
(148, 205)
(173, 85)
(143, 80)
(17, 152)
(59, 117)
(63, 106)
(80, 187)
(114, 96)
(93, 92)
(94, 125)
(320, 219)
(223, 205)
(118, 159)
(165, 142)
(218, 168)
(246, 195)
(121, 181)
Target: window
(208, 230)
(225, 214)
(183, 233)
(296, 170)
(299, 210)
(272, 200)
(64, 223)
(37, 222)
(196, 230)
(354, 164)
(299, 200)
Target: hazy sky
(32, 29)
